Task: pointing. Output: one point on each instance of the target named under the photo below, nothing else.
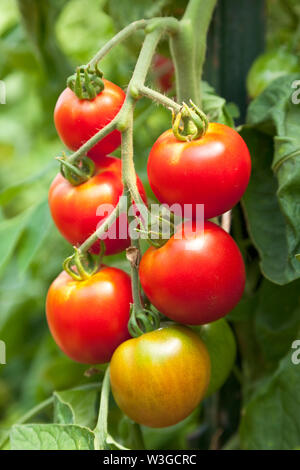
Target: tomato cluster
(194, 278)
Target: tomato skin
(74, 208)
(76, 120)
(88, 319)
(213, 170)
(196, 279)
(159, 378)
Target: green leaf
(76, 407)
(36, 229)
(51, 437)
(270, 420)
(9, 193)
(270, 202)
(215, 106)
(10, 232)
(277, 318)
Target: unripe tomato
(195, 279)
(220, 343)
(77, 120)
(159, 378)
(213, 170)
(74, 208)
(88, 319)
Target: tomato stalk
(188, 48)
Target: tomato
(88, 319)
(220, 342)
(164, 72)
(74, 208)
(76, 120)
(196, 279)
(159, 378)
(213, 170)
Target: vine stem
(188, 48)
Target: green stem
(188, 47)
(160, 98)
(117, 39)
(169, 24)
(100, 430)
(86, 245)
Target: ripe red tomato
(76, 120)
(164, 72)
(88, 319)
(159, 378)
(74, 208)
(213, 170)
(196, 279)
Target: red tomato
(164, 72)
(74, 208)
(76, 120)
(88, 319)
(213, 170)
(196, 279)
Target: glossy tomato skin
(197, 279)
(74, 208)
(76, 120)
(88, 319)
(213, 170)
(159, 378)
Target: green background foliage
(258, 407)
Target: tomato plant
(76, 209)
(79, 314)
(186, 342)
(213, 170)
(151, 381)
(77, 120)
(194, 279)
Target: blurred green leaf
(36, 229)
(9, 193)
(277, 318)
(270, 421)
(51, 437)
(10, 232)
(271, 198)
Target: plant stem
(100, 430)
(160, 98)
(188, 47)
(169, 24)
(86, 245)
(117, 39)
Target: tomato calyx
(81, 266)
(78, 172)
(189, 123)
(142, 321)
(86, 83)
